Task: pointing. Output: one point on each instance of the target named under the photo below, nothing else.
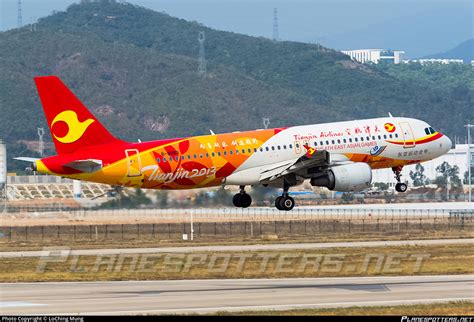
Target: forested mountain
(137, 71)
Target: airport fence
(244, 229)
(256, 213)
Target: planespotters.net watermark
(221, 262)
(437, 319)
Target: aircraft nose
(447, 144)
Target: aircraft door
(134, 164)
(408, 136)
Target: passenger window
(350, 140)
(344, 140)
(254, 150)
(158, 160)
(291, 146)
(261, 149)
(297, 145)
(355, 139)
(195, 156)
(333, 141)
(315, 143)
(390, 136)
(339, 141)
(380, 137)
(396, 135)
(218, 153)
(284, 147)
(249, 151)
(327, 142)
(321, 143)
(236, 151)
(207, 155)
(243, 151)
(267, 148)
(384, 136)
(225, 152)
(362, 139)
(273, 148)
(213, 154)
(231, 152)
(176, 159)
(200, 156)
(373, 137)
(278, 147)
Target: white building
(428, 61)
(375, 56)
(457, 156)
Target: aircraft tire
(401, 187)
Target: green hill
(136, 69)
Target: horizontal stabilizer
(27, 159)
(89, 166)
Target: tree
(449, 174)
(418, 177)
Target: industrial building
(375, 56)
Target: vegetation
(449, 308)
(439, 259)
(136, 69)
(418, 176)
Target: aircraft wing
(311, 159)
(89, 165)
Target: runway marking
(279, 307)
(8, 304)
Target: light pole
(469, 160)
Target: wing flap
(307, 161)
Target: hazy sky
(333, 22)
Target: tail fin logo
(76, 128)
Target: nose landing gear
(400, 186)
(285, 202)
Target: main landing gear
(400, 186)
(285, 202)
(242, 199)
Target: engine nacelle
(347, 177)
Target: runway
(204, 296)
(236, 248)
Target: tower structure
(41, 141)
(202, 68)
(275, 25)
(19, 17)
(266, 122)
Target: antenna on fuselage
(390, 114)
(212, 132)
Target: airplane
(339, 156)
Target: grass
(334, 262)
(461, 308)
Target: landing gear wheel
(401, 187)
(245, 200)
(242, 200)
(236, 200)
(286, 203)
(277, 203)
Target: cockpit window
(427, 130)
(432, 131)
